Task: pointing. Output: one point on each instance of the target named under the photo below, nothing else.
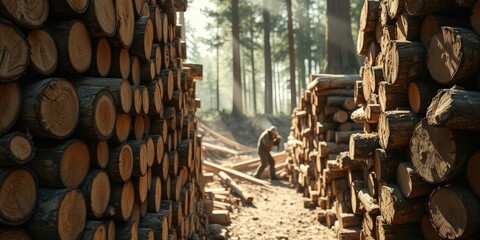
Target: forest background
(257, 55)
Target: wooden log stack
(98, 131)
(411, 173)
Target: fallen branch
(245, 196)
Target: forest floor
(277, 212)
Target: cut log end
(10, 105)
(43, 52)
(16, 58)
(105, 114)
(30, 14)
(100, 194)
(18, 196)
(125, 23)
(126, 162)
(122, 127)
(79, 47)
(21, 147)
(103, 57)
(75, 163)
(15, 233)
(71, 215)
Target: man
(266, 141)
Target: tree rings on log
(10, 105)
(123, 198)
(120, 63)
(14, 233)
(101, 59)
(439, 154)
(101, 19)
(96, 189)
(453, 55)
(16, 148)
(67, 213)
(43, 51)
(18, 197)
(125, 22)
(27, 13)
(16, 51)
(120, 164)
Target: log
(430, 160)
(433, 23)
(122, 198)
(454, 211)
(420, 95)
(158, 222)
(355, 187)
(385, 18)
(166, 77)
(345, 162)
(180, 5)
(125, 23)
(395, 8)
(330, 81)
(245, 196)
(15, 149)
(386, 162)
(120, 164)
(358, 116)
(146, 233)
(138, 129)
(120, 89)
(120, 63)
(221, 217)
(344, 136)
(41, 42)
(428, 231)
(455, 109)
(369, 15)
(405, 62)
(392, 96)
(166, 188)
(140, 157)
(74, 46)
(154, 197)
(110, 228)
(410, 183)
(408, 27)
(156, 16)
(140, 185)
(473, 179)
(161, 169)
(19, 195)
(127, 230)
(96, 189)
(157, 58)
(215, 168)
(460, 65)
(422, 8)
(363, 42)
(396, 209)
(372, 184)
(326, 148)
(358, 93)
(14, 233)
(66, 211)
(67, 8)
(100, 19)
(175, 189)
(94, 230)
(61, 164)
(165, 50)
(135, 71)
(362, 146)
(151, 152)
(97, 113)
(348, 220)
(11, 102)
(386, 231)
(330, 218)
(143, 38)
(28, 14)
(155, 95)
(372, 113)
(173, 163)
(122, 128)
(395, 128)
(369, 203)
(101, 58)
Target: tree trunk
(454, 211)
(395, 128)
(395, 8)
(61, 214)
(101, 60)
(460, 66)
(125, 24)
(100, 19)
(122, 198)
(74, 46)
(340, 56)
(43, 51)
(97, 113)
(96, 189)
(19, 198)
(392, 96)
(15, 149)
(432, 163)
(42, 111)
(120, 164)
(291, 54)
(61, 165)
(408, 27)
(237, 80)
(398, 210)
(455, 109)
(405, 62)
(362, 146)
(267, 59)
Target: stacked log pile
(98, 129)
(416, 159)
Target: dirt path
(276, 214)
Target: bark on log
(28, 14)
(372, 113)
(386, 162)
(125, 23)
(355, 187)
(96, 189)
(405, 62)
(143, 38)
(61, 214)
(410, 182)
(344, 161)
(94, 230)
(221, 217)
(372, 184)
(460, 66)
(385, 18)
(61, 164)
(408, 27)
(97, 113)
(148, 72)
(330, 81)
(422, 8)
(358, 93)
(349, 234)
(398, 210)
(11, 102)
(420, 95)
(122, 198)
(15, 149)
(369, 15)
(140, 185)
(395, 8)
(358, 116)
(146, 233)
(126, 230)
(326, 148)
(395, 128)
(74, 46)
(120, 164)
(427, 152)
(44, 112)
(454, 211)
(101, 58)
(386, 231)
(43, 51)
(433, 23)
(362, 146)
(140, 157)
(120, 63)
(369, 203)
(101, 19)
(19, 195)
(455, 109)
(154, 197)
(392, 96)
